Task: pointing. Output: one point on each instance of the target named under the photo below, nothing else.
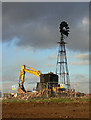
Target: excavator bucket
(20, 90)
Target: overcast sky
(36, 24)
(30, 32)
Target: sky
(30, 32)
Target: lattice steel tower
(62, 67)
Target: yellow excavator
(23, 70)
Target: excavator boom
(37, 73)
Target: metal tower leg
(62, 66)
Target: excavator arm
(22, 75)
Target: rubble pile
(23, 96)
(41, 94)
(27, 95)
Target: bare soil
(45, 110)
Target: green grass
(62, 100)
(56, 100)
(14, 101)
(85, 99)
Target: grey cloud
(45, 1)
(0, 21)
(80, 82)
(83, 59)
(52, 57)
(49, 65)
(37, 24)
(83, 56)
(80, 63)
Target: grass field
(57, 100)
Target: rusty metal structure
(47, 82)
(62, 66)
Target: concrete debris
(41, 94)
(20, 91)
